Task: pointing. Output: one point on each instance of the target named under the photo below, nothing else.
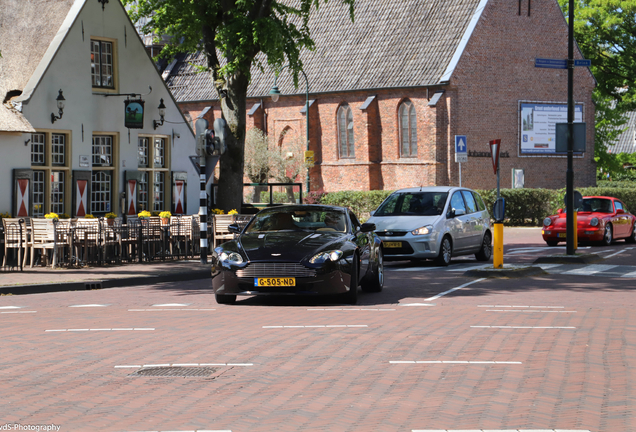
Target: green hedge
(523, 206)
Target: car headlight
(594, 222)
(423, 230)
(231, 257)
(547, 221)
(322, 257)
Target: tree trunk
(230, 187)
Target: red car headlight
(594, 222)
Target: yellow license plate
(392, 244)
(561, 235)
(275, 282)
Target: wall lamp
(60, 106)
(162, 114)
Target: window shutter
(22, 203)
(81, 193)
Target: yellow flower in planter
(52, 216)
(144, 214)
(232, 212)
(165, 214)
(110, 215)
(89, 216)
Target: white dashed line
(89, 305)
(529, 311)
(349, 309)
(629, 275)
(101, 329)
(454, 289)
(498, 430)
(524, 307)
(159, 310)
(417, 304)
(590, 269)
(316, 326)
(614, 254)
(17, 312)
(521, 327)
(10, 307)
(451, 362)
(171, 304)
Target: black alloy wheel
(445, 252)
(485, 252)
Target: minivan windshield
(413, 204)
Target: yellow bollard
(576, 233)
(497, 260)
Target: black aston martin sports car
(299, 249)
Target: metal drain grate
(180, 371)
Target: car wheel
(632, 236)
(445, 252)
(351, 297)
(374, 281)
(225, 299)
(608, 235)
(485, 252)
(552, 243)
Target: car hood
(289, 246)
(402, 223)
(582, 219)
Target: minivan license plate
(392, 244)
(275, 282)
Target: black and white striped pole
(201, 126)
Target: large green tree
(605, 31)
(233, 35)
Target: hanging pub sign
(134, 113)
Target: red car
(601, 219)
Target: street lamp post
(275, 94)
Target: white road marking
(525, 307)
(521, 327)
(14, 312)
(417, 304)
(629, 275)
(498, 430)
(451, 362)
(548, 266)
(345, 310)
(181, 365)
(171, 304)
(159, 310)
(89, 305)
(590, 269)
(202, 430)
(101, 329)
(315, 326)
(10, 307)
(454, 289)
(614, 254)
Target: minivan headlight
(423, 230)
(322, 257)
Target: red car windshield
(599, 205)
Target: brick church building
(389, 93)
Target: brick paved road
(543, 353)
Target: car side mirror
(458, 212)
(372, 212)
(620, 211)
(559, 211)
(234, 228)
(367, 227)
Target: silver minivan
(433, 223)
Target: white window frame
(346, 132)
(50, 154)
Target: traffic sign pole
(569, 179)
(497, 259)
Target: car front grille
(391, 233)
(275, 270)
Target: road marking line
(454, 289)
(182, 365)
(522, 327)
(614, 254)
(529, 311)
(590, 269)
(417, 304)
(548, 266)
(14, 312)
(316, 326)
(101, 329)
(452, 362)
(498, 430)
(171, 304)
(629, 275)
(11, 307)
(525, 307)
(89, 305)
(157, 310)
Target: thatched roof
(28, 30)
(391, 44)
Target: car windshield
(298, 220)
(597, 205)
(413, 204)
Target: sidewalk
(46, 279)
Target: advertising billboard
(538, 126)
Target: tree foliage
(605, 31)
(233, 35)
